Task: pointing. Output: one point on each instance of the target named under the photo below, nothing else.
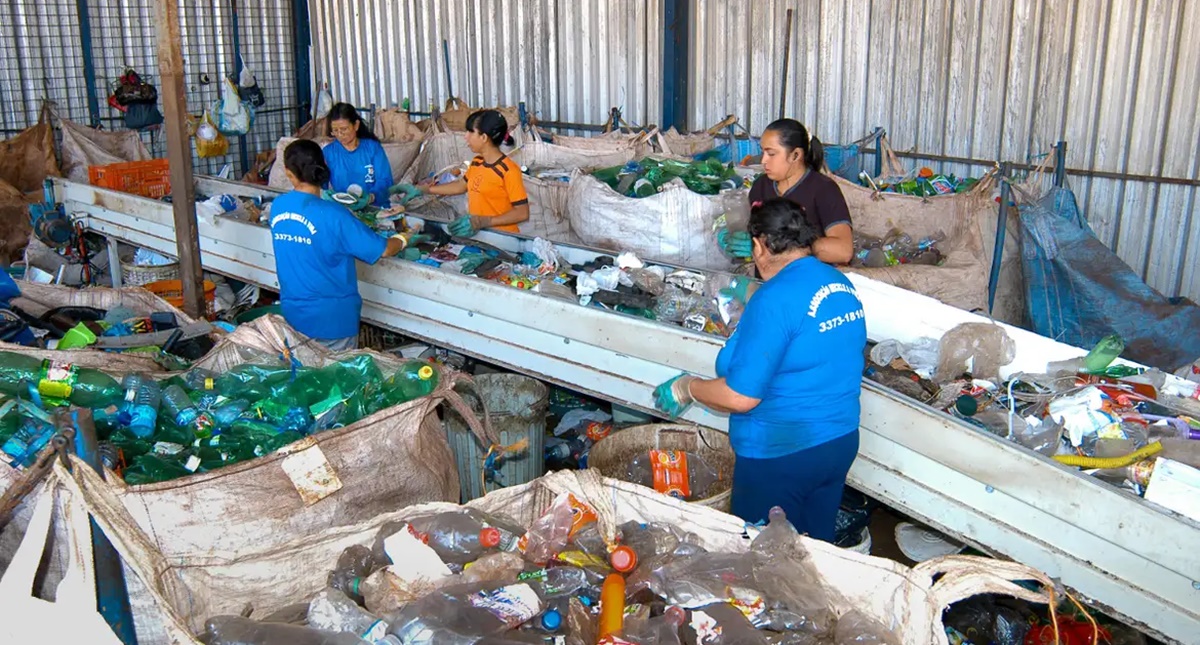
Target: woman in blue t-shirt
(316, 243)
(789, 377)
(356, 158)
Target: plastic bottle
(644, 188)
(413, 380)
(31, 437)
(461, 538)
(555, 582)
(178, 406)
(201, 380)
(226, 413)
(662, 630)
(356, 562)
(680, 474)
(551, 621)
(142, 396)
(612, 607)
(84, 387)
(465, 616)
(1103, 354)
(332, 611)
(235, 630)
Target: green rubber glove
(419, 238)
(738, 289)
(411, 254)
(407, 192)
(673, 396)
(463, 227)
(736, 244)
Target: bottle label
(514, 604)
(167, 449)
(58, 379)
(671, 473)
(193, 463)
(376, 632)
(597, 431)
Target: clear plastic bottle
(465, 616)
(680, 474)
(142, 396)
(332, 610)
(555, 582)
(201, 380)
(235, 630)
(460, 538)
(178, 406)
(662, 630)
(30, 438)
(224, 414)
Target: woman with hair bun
(495, 188)
(356, 158)
(316, 243)
(789, 378)
(792, 163)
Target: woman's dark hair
(491, 124)
(306, 161)
(781, 225)
(347, 112)
(792, 134)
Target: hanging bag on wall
(249, 90)
(232, 116)
(132, 90)
(209, 141)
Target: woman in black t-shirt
(792, 161)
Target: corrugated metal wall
(984, 79)
(567, 60)
(41, 56)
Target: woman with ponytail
(316, 243)
(793, 161)
(789, 378)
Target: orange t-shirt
(494, 189)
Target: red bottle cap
(489, 537)
(623, 559)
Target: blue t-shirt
(367, 166)
(8, 287)
(316, 243)
(799, 349)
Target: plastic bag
(248, 88)
(978, 348)
(233, 117)
(209, 141)
(921, 355)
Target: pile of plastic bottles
(925, 184)
(197, 421)
(74, 327)
(1112, 420)
(646, 177)
(896, 248)
(466, 577)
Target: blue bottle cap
(551, 620)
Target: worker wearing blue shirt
(356, 158)
(316, 243)
(789, 377)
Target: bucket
(517, 405)
(256, 313)
(611, 456)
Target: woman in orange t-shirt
(493, 183)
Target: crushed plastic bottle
(331, 610)
(680, 474)
(57, 381)
(555, 582)
(355, 563)
(142, 398)
(178, 406)
(461, 538)
(662, 630)
(235, 630)
(462, 616)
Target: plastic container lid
(623, 559)
(966, 405)
(425, 373)
(552, 619)
(489, 537)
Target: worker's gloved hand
(735, 244)
(412, 254)
(465, 226)
(674, 397)
(418, 238)
(739, 289)
(407, 192)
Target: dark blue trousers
(807, 485)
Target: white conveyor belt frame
(1130, 557)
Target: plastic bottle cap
(425, 373)
(552, 620)
(966, 405)
(489, 537)
(623, 559)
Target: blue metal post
(244, 154)
(523, 114)
(1060, 164)
(302, 37)
(112, 596)
(675, 64)
(89, 61)
(1001, 232)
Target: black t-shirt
(816, 193)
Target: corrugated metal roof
(988, 80)
(568, 61)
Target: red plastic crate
(146, 178)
